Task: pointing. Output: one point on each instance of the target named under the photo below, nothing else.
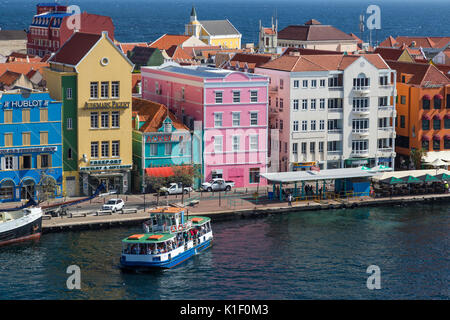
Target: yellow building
(214, 32)
(93, 79)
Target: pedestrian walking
(290, 200)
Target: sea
(328, 254)
(146, 20)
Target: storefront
(358, 162)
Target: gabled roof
(422, 73)
(312, 32)
(9, 77)
(125, 47)
(219, 27)
(257, 59)
(177, 53)
(22, 67)
(141, 55)
(75, 48)
(389, 53)
(168, 40)
(154, 114)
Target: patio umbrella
(392, 181)
(411, 179)
(381, 168)
(443, 177)
(364, 168)
(438, 163)
(428, 178)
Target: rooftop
(313, 30)
(75, 48)
(219, 27)
(168, 40)
(422, 73)
(329, 174)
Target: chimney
(294, 53)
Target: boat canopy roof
(149, 238)
(166, 210)
(198, 221)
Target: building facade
(95, 85)
(233, 109)
(331, 111)
(53, 25)
(30, 144)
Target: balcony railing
(360, 152)
(361, 109)
(361, 131)
(361, 89)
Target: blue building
(30, 144)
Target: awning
(438, 96)
(393, 180)
(428, 178)
(412, 179)
(425, 117)
(436, 137)
(437, 117)
(426, 97)
(163, 172)
(425, 138)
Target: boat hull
(27, 231)
(168, 263)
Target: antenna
(361, 25)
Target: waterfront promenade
(228, 209)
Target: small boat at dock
(169, 239)
(20, 225)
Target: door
(71, 187)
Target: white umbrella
(438, 163)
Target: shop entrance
(27, 190)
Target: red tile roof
(9, 77)
(168, 40)
(312, 31)
(125, 47)
(75, 48)
(415, 42)
(257, 59)
(22, 67)
(422, 73)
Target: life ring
(180, 227)
(173, 228)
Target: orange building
(423, 109)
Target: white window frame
(233, 119)
(253, 142)
(236, 143)
(216, 120)
(251, 115)
(218, 143)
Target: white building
(332, 110)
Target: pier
(244, 209)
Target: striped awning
(438, 96)
(436, 137)
(426, 97)
(425, 138)
(425, 117)
(437, 117)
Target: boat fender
(173, 228)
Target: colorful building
(423, 110)
(214, 32)
(30, 143)
(159, 140)
(233, 109)
(93, 78)
(53, 25)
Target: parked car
(114, 205)
(175, 188)
(217, 184)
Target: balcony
(361, 90)
(361, 110)
(360, 153)
(360, 132)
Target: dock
(209, 208)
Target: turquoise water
(304, 255)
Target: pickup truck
(114, 205)
(175, 188)
(217, 185)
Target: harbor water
(304, 255)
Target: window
(303, 147)
(304, 104)
(168, 149)
(360, 125)
(322, 104)
(295, 148)
(447, 123)
(157, 88)
(69, 154)
(94, 90)
(322, 83)
(153, 149)
(105, 149)
(182, 94)
(69, 93)
(219, 96)
(217, 119)
(105, 119)
(26, 115)
(253, 96)
(402, 121)
(446, 143)
(26, 162)
(281, 125)
(295, 126)
(115, 148)
(45, 161)
(425, 103)
(360, 104)
(254, 175)
(26, 138)
(403, 99)
(384, 80)
(361, 81)
(296, 84)
(304, 125)
(313, 83)
(436, 144)
(281, 104)
(104, 89)
(333, 125)
(436, 124)
(253, 118)
(8, 163)
(313, 125)
(295, 107)
(426, 145)
(281, 83)
(321, 125)
(253, 142)
(69, 123)
(94, 119)
(321, 144)
(305, 84)
(334, 103)
(236, 96)
(236, 119)
(335, 81)
(115, 89)
(382, 101)
(218, 143)
(7, 116)
(385, 143)
(425, 124)
(437, 101)
(8, 139)
(313, 104)
(44, 137)
(94, 149)
(115, 119)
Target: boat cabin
(167, 219)
(149, 244)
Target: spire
(193, 13)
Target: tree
(416, 157)
(46, 188)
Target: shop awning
(428, 178)
(162, 172)
(392, 180)
(438, 96)
(426, 97)
(425, 138)
(412, 179)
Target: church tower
(268, 38)
(193, 27)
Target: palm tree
(416, 156)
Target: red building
(53, 25)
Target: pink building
(232, 107)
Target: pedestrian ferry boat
(20, 225)
(169, 238)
